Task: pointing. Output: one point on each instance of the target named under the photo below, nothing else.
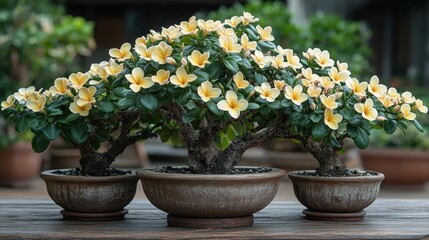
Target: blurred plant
(37, 42)
(345, 40)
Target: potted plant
(221, 88)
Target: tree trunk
(328, 158)
(94, 164)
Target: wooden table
(386, 219)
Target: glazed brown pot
(91, 198)
(400, 166)
(210, 196)
(19, 164)
(336, 194)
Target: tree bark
(327, 156)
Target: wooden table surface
(386, 219)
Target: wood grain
(385, 219)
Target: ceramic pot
(400, 166)
(335, 198)
(19, 164)
(210, 201)
(91, 198)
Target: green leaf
(275, 105)
(106, 106)
(295, 117)
(50, 131)
(22, 123)
(78, 133)
(126, 103)
(316, 117)
(202, 76)
(54, 112)
(390, 126)
(231, 132)
(213, 70)
(418, 126)
(123, 92)
(334, 142)
(347, 114)
(37, 124)
(253, 106)
(352, 131)
(184, 96)
(234, 58)
(71, 117)
(231, 65)
(259, 78)
(39, 143)
(319, 130)
(149, 101)
(214, 109)
(192, 115)
(361, 139)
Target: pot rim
(147, 173)
(373, 178)
(49, 175)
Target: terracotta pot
(400, 166)
(210, 201)
(19, 164)
(91, 198)
(344, 197)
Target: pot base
(324, 216)
(97, 217)
(209, 223)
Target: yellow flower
(81, 110)
(246, 44)
(232, 105)
(329, 102)
(227, 32)
(279, 84)
(292, 61)
(113, 68)
(267, 93)
(278, 62)
(419, 105)
(138, 80)
(239, 81)
(190, 27)
(386, 100)
(154, 36)
(199, 60)
(324, 60)
(343, 67)
(260, 59)
(182, 78)
(295, 94)
(93, 70)
(312, 53)
(234, 21)
(367, 110)
(309, 77)
(229, 44)
(36, 105)
(248, 18)
(161, 77)
(359, 89)
(86, 95)
(121, 54)
(407, 97)
(141, 40)
(393, 93)
(161, 53)
(207, 92)
(265, 33)
(314, 92)
(171, 33)
(326, 82)
(331, 119)
(406, 112)
(144, 52)
(376, 89)
(24, 93)
(338, 77)
(8, 103)
(60, 87)
(209, 25)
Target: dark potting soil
(77, 172)
(186, 170)
(346, 173)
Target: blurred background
(42, 40)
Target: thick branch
(175, 112)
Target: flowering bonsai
(218, 87)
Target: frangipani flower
(406, 112)
(182, 78)
(311, 53)
(314, 92)
(367, 109)
(331, 120)
(171, 33)
(279, 84)
(86, 95)
(292, 61)
(326, 82)
(338, 77)
(141, 40)
(81, 110)
(358, 89)
(239, 81)
(295, 94)
(266, 92)
(209, 25)
(234, 21)
(407, 97)
(386, 100)
(161, 77)
(161, 53)
(329, 102)
(265, 33)
(422, 108)
(232, 105)
(227, 32)
(144, 52)
(121, 54)
(343, 67)
(248, 18)
(138, 80)
(324, 60)
(309, 77)
(246, 44)
(24, 94)
(376, 89)
(78, 79)
(199, 60)
(60, 87)
(113, 69)
(207, 92)
(260, 59)
(278, 62)
(190, 27)
(393, 93)
(229, 44)
(37, 105)
(8, 103)
(154, 36)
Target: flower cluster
(225, 75)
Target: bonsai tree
(218, 87)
